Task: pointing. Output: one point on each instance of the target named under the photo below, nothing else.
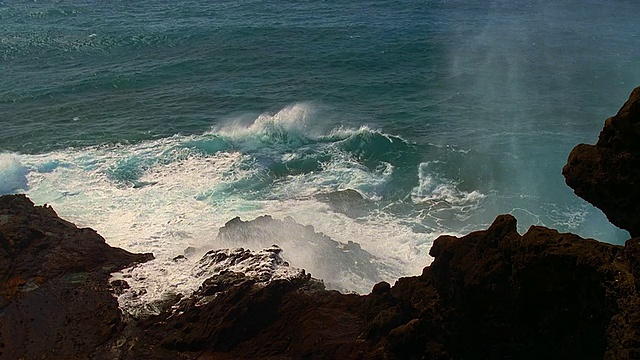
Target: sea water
(156, 122)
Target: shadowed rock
(606, 174)
(54, 297)
(495, 294)
(492, 294)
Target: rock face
(490, 294)
(607, 174)
(495, 294)
(54, 299)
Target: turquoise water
(155, 118)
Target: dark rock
(381, 288)
(490, 294)
(119, 286)
(348, 202)
(540, 295)
(53, 284)
(607, 174)
(179, 258)
(323, 257)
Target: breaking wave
(170, 194)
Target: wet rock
(322, 256)
(119, 286)
(348, 202)
(490, 294)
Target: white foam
(436, 191)
(401, 251)
(343, 132)
(151, 283)
(341, 173)
(290, 124)
(177, 205)
(13, 174)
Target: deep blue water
(441, 114)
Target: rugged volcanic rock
(316, 249)
(607, 174)
(490, 294)
(496, 294)
(54, 298)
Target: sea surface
(384, 123)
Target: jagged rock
(607, 174)
(323, 257)
(235, 316)
(495, 294)
(490, 294)
(54, 294)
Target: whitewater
(167, 195)
(380, 125)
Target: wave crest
(287, 126)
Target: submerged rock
(606, 174)
(348, 202)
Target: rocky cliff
(606, 174)
(54, 296)
(490, 294)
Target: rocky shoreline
(487, 295)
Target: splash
(436, 191)
(288, 127)
(13, 174)
(146, 292)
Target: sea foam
(357, 185)
(170, 194)
(13, 175)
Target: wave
(170, 194)
(290, 126)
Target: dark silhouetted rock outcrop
(490, 294)
(607, 174)
(495, 294)
(54, 297)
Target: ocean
(384, 123)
